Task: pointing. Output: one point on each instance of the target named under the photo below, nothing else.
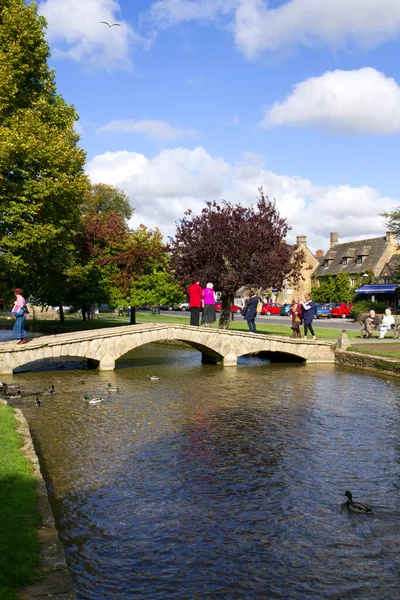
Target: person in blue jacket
(250, 311)
(309, 308)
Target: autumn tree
(232, 246)
(42, 181)
(133, 267)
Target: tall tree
(231, 246)
(343, 292)
(103, 199)
(42, 181)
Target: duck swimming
(357, 507)
(14, 396)
(112, 388)
(153, 377)
(92, 400)
(37, 402)
(50, 391)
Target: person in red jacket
(195, 293)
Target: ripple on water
(222, 483)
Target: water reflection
(222, 483)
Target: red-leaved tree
(234, 246)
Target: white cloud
(75, 32)
(163, 187)
(158, 130)
(363, 101)
(258, 28)
(337, 23)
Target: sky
(187, 101)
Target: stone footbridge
(102, 347)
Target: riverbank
(19, 515)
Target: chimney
(334, 239)
(319, 254)
(391, 238)
(301, 239)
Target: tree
(133, 267)
(392, 220)
(325, 291)
(231, 246)
(103, 199)
(42, 180)
(343, 291)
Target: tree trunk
(224, 318)
(83, 313)
(133, 315)
(62, 316)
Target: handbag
(18, 313)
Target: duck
(153, 377)
(112, 388)
(38, 402)
(50, 391)
(15, 396)
(92, 400)
(357, 507)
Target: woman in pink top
(19, 312)
(208, 305)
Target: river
(218, 483)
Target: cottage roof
(370, 251)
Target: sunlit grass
(387, 352)
(19, 515)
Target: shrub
(364, 306)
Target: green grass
(19, 515)
(386, 352)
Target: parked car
(271, 308)
(322, 310)
(284, 310)
(66, 309)
(341, 310)
(184, 306)
(235, 308)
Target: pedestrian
(1, 304)
(19, 311)
(250, 311)
(208, 301)
(308, 316)
(195, 293)
(387, 323)
(296, 312)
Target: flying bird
(112, 24)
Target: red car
(341, 310)
(234, 308)
(271, 308)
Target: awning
(378, 289)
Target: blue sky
(192, 100)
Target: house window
(344, 261)
(326, 264)
(353, 282)
(360, 260)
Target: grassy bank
(19, 515)
(392, 351)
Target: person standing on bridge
(308, 316)
(195, 293)
(250, 310)
(19, 311)
(208, 305)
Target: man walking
(195, 293)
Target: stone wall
(389, 366)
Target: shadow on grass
(19, 543)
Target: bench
(394, 331)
